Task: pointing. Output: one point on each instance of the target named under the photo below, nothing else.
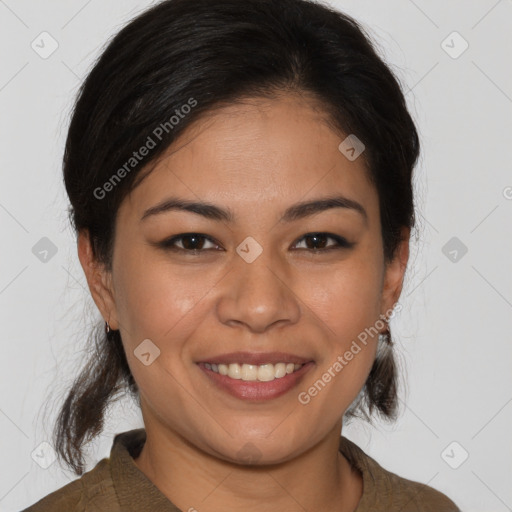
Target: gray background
(454, 330)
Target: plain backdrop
(454, 331)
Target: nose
(258, 295)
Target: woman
(240, 179)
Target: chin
(258, 450)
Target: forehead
(257, 154)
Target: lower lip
(256, 390)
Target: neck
(319, 479)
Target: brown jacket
(116, 484)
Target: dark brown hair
(216, 52)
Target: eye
(190, 242)
(198, 242)
(316, 242)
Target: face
(250, 278)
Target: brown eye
(318, 242)
(189, 242)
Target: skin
(256, 158)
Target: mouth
(256, 376)
(251, 372)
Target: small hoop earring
(386, 335)
(109, 332)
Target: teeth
(266, 372)
(248, 371)
(234, 371)
(252, 372)
(280, 370)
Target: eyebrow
(293, 213)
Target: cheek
(157, 303)
(347, 301)
(153, 297)
(346, 298)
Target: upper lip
(255, 358)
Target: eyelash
(341, 243)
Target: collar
(131, 483)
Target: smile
(255, 376)
(251, 372)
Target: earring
(108, 331)
(386, 335)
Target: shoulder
(411, 496)
(384, 490)
(94, 490)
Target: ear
(394, 273)
(98, 279)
